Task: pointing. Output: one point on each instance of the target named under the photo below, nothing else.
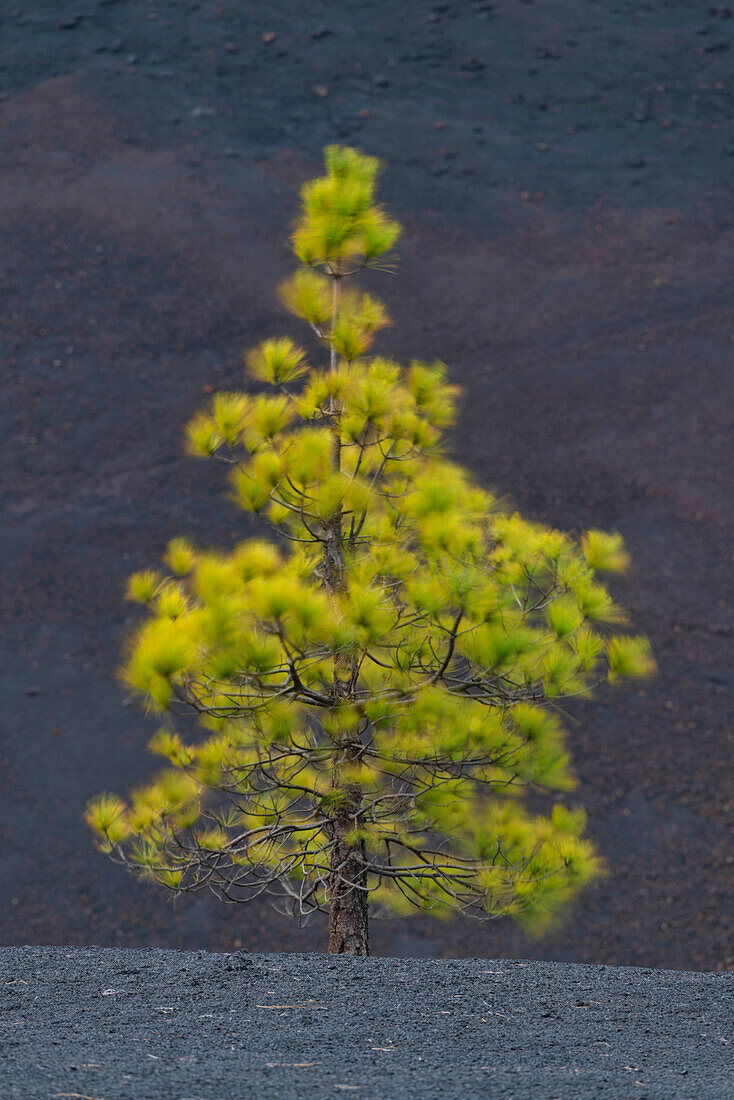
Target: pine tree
(379, 682)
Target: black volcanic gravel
(170, 1025)
(564, 170)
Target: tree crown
(392, 660)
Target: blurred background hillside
(563, 170)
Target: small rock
(320, 32)
(472, 65)
(269, 37)
(439, 125)
(381, 81)
(132, 59)
(116, 46)
(321, 91)
(637, 162)
(33, 691)
(70, 23)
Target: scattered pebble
(269, 37)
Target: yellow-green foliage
(440, 649)
(630, 657)
(341, 226)
(605, 552)
(277, 361)
(309, 296)
(180, 557)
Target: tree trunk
(349, 908)
(348, 898)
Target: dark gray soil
(564, 170)
(170, 1025)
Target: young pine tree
(378, 682)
